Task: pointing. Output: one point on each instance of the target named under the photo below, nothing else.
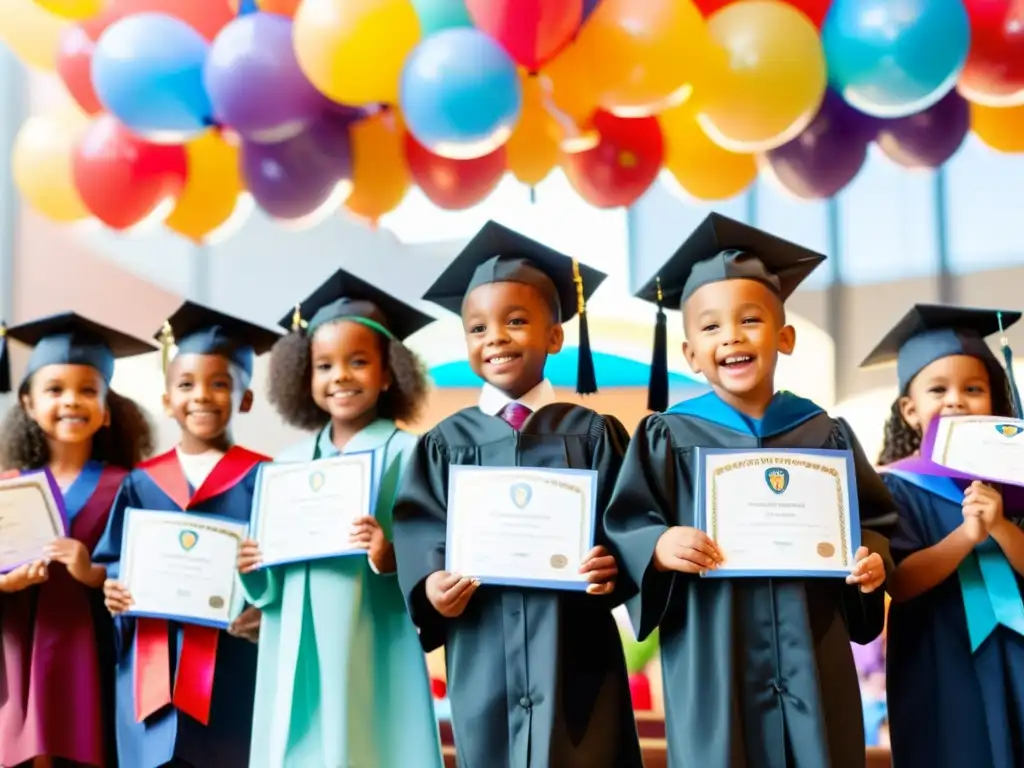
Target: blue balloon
(892, 58)
(460, 94)
(148, 72)
(435, 15)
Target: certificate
(181, 566)
(31, 516)
(520, 526)
(986, 447)
(779, 513)
(305, 510)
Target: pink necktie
(515, 414)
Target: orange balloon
(1001, 128)
(571, 84)
(212, 190)
(280, 7)
(532, 149)
(380, 178)
(703, 169)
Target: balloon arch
(185, 108)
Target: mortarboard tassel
(657, 388)
(298, 324)
(166, 342)
(1008, 359)
(5, 361)
(586, 378)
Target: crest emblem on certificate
(316, 481)
(188, 539)
(521, 494)
(1009, 430)
(777, 479)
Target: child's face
(951, 386)
(68, 402)
(734, 334)
(349, 370)
(200, 395)
(510, 331)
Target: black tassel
(586, 377)
(657, 387)
(1008, 359)
(5, 362)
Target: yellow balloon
(41, 164)
(380, 177)
(76, 10)
(31, 33)
(1001, 128)
(702, 168)
(572, 84)
(212, 191)
(770, 77)
(353, 50)
(532, 150)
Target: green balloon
(436, 15)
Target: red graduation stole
(193, 684)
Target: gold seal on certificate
(988, 447)
(31, 517)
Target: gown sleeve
(108, 554)
(607, 462)
(907, 538)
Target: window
(804, 222)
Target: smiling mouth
(346, 394)
(501, 359)
(73, 420)
(204, 413)
(736, 361)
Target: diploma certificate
(779, 513)
(305, 510)
(518, 526)
(31, 517)
(181, 566)
(987, 447)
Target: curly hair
(126, 442)
(291, 375)
(902, 440)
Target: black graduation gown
(536, 678)
(757, 672)
(947, 707)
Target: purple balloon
(588, 8)
(929, 138)
(330, 134)
(254, 81)
(829, 153)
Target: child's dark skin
(510, 331)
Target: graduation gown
(342, 679)
(757, 672)
(949, 707)
(55, 648)
(536, 678)
(181, 656)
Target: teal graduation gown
(342, 679)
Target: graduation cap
(68, 339)
(345, 296)
(497, 254)
(719, 249)
(929, 332)
(199, 330)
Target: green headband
(372, 324)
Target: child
(204, 717)
(342, 679)
(758, 671)
(55, 664)
(955, 687)
(536, 677)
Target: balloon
(207, 17)
(331, 134)
(41, 165)
(380, 177)
(827, 156)
(31, 33)
(622, 166)
(643, 55)
(589, 6)
(212, 191)
(74, 65)
(122, 178)
(815, 10)
(532, 31)
(435, 15)
(148, 71)
(994, 72)
(772, 80)
(257, 48)
(1001, 128)
(892, 58)
(290, 179)
(280, 7)
(353, 51)
(460, 94)
(703, 169)
(532, 149)
(72, 9)
(573, 96)
(929, 138)
(454, 184)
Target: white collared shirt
(198, 466)
(492, 399)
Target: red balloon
(994, 72)
(622, 166)
(74, 59)
(454, 184)
(207, 17)
(532, 31)
(122, 178)
(815, 10)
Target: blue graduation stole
(987, 582)
(785, 412)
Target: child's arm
(75, 557)
(927, 568)
(986, 502)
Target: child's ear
(556, 339)
(909, 413)
(691, 357)
(26, 404)
(166, 400)
(787, 339)
(246, 405)
(106, 416)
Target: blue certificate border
(235, 591)
(254, 517)
(701, 510)
(493, 581)
(58, 497)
